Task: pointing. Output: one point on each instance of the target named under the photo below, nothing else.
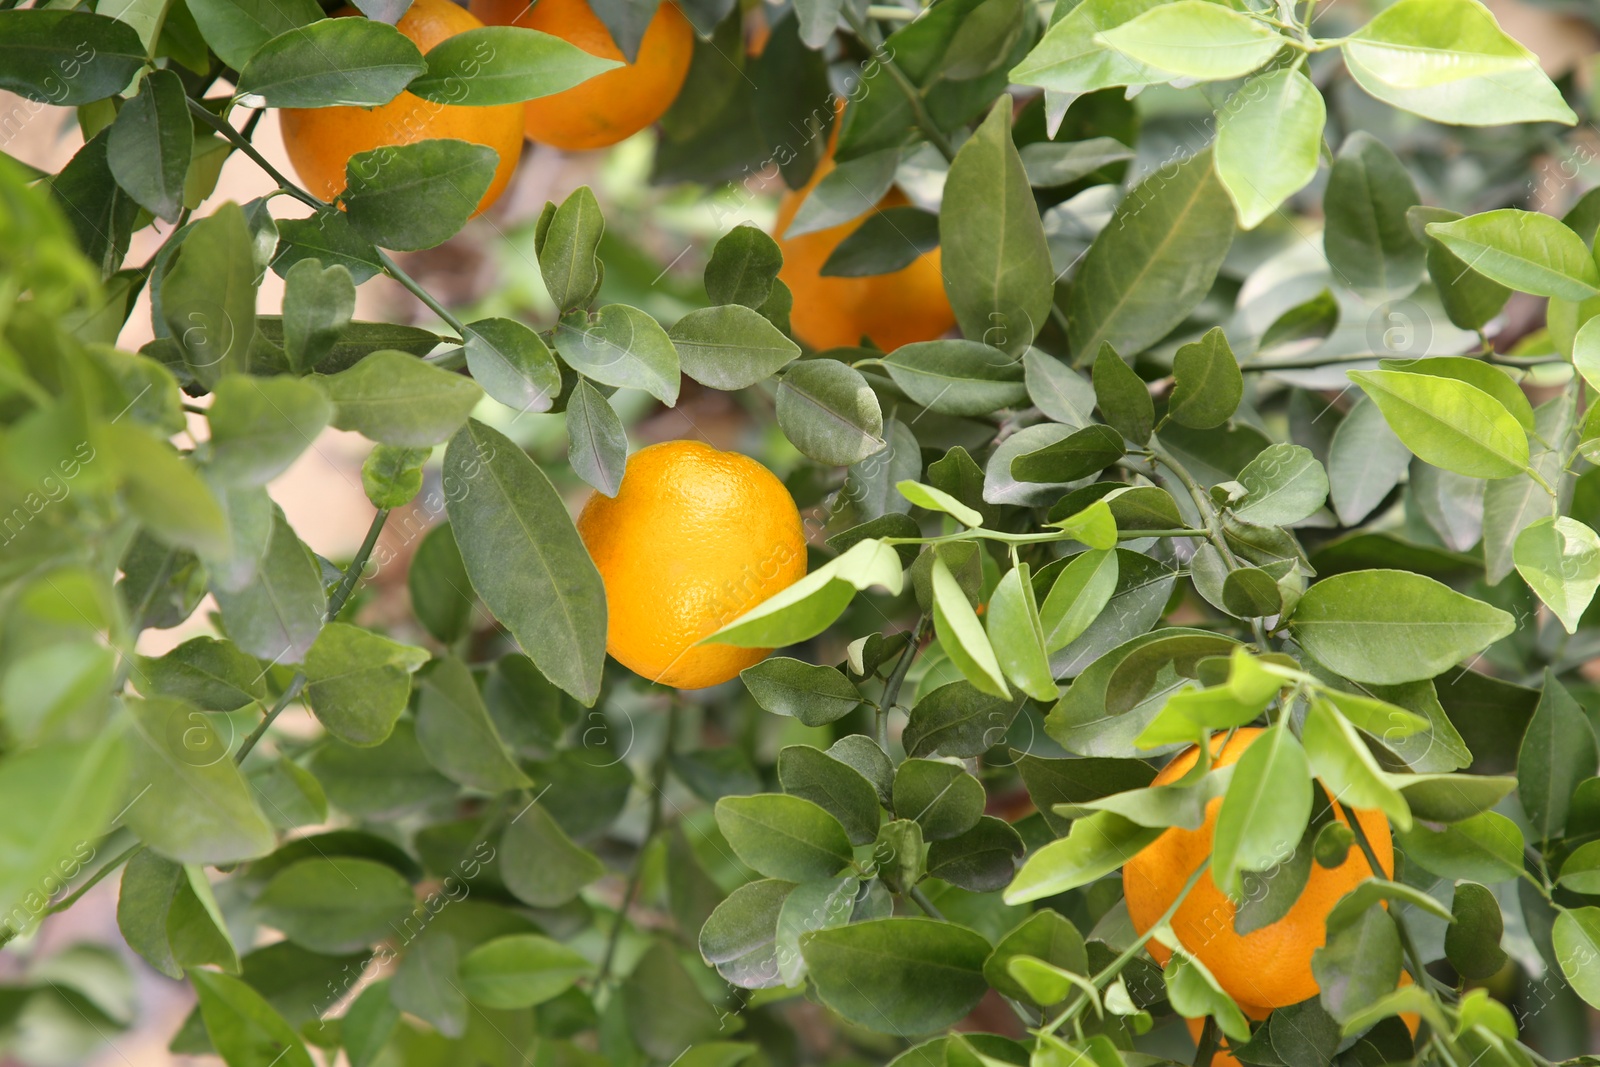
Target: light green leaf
(1448, 422)
(1524, 250)
(358, 682)
(519, 970)
(1285, 484)
(512, 364)
(926, 496)
(1096, 845)
(1196, 39)
(1344, 764)
(1269, 140)
(1069, 59)
(1559, 558)
(1206, 383)
(961, 635)
(342, 904)
(1577, 943)
(810, 605)
(1017, 635)
(829, 412)
(1485, 848)
(1265, 810)
(259, 426)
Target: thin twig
(658, 784)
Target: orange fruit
(1270, 967)
(609, 106)
(830, 312)
(693, 539)
(321, 140)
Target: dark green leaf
(491, 65)
(1122, 396)
(415, 196)
(829, 412)
(1367, 240)
(815, 695)
(597, 445)
(331, 62)
(67, 57)
(783, 837)
(513, 364)
(890, 239)
(336, 905)
(832, 785)
(730, 347)
(899, 976)
(150, 142)
(1206, 383)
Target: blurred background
(657, 240)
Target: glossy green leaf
(1195, 39)
(1096, 846)
(829, 412)
(783, 837)
(1559, 558)
(332, 62)
(1269, 140)
(1285, 484)
(962, 636)
(1448, 422)
(490, 65)
(816, 695)
(1265, 809)
(1523, 250)
(810, 605)
(415, 196)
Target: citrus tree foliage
(1236, 431)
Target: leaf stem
(1206, 1048)
(390, 267)
(928, 907)
(336, 603)
(919, 107)
(897, 677)
(1110, 970)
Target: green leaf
(414, 196)
(525, 559)
(1359, 964)
(1448, 422)
(957, 377)
(38, 49)
(1195, 39)
(1523, 250)
(358, 682)
(901, 976)
(889, 240)
(208, 295)
(621, 346)
(392, 477)
(1153, 263)
(259, 426)
(1070, 60)
(1346, 767)
(1492, 380)
(1365, 462)
(1387, 627)
(1078, 455)
(993, 253)
(245, 1030)
(958, 720)
(457, 734)
(1367, 239)
(1472, 940)
(1057, 390)
(1511, 504)
(829, 412)
(1449, 61)
(1558, 751)
(150, 143)
(336, 905)
(1559, 558)
(441, 593)
(1080, 593)
(317, 307)
(926, 496)
(848, 191)
(236, 28)
(62, 794)
(832, 785)
(540, 864)
(1269, 140)
(1206, 383)
(1045, 936)
(356, 62)
(961, 635)
(1194, 992)
(212, 674)
(568, 249)
(816, 695)
(730, 347)
(810, 605)
(1577, 943)
(740, 937)
(1265, 810)
(1285, 484)
(519, 971)
(161, 490)
(597, 445)
(503, 65)
(193, 805)
(149, 886)
(1050, 164)
(1096, 845)
(368, 1023)
(1451, 797)
(783, 837)
(513, 364)
(1485, 848)
(1470, 299)
(397, 399)
(942, 798)
(1016, 634)
(743, 265)
(279, 612)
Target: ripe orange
(321, 140)
(829, 312)
(1270, 967)
(694, 538)
(613, 105)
